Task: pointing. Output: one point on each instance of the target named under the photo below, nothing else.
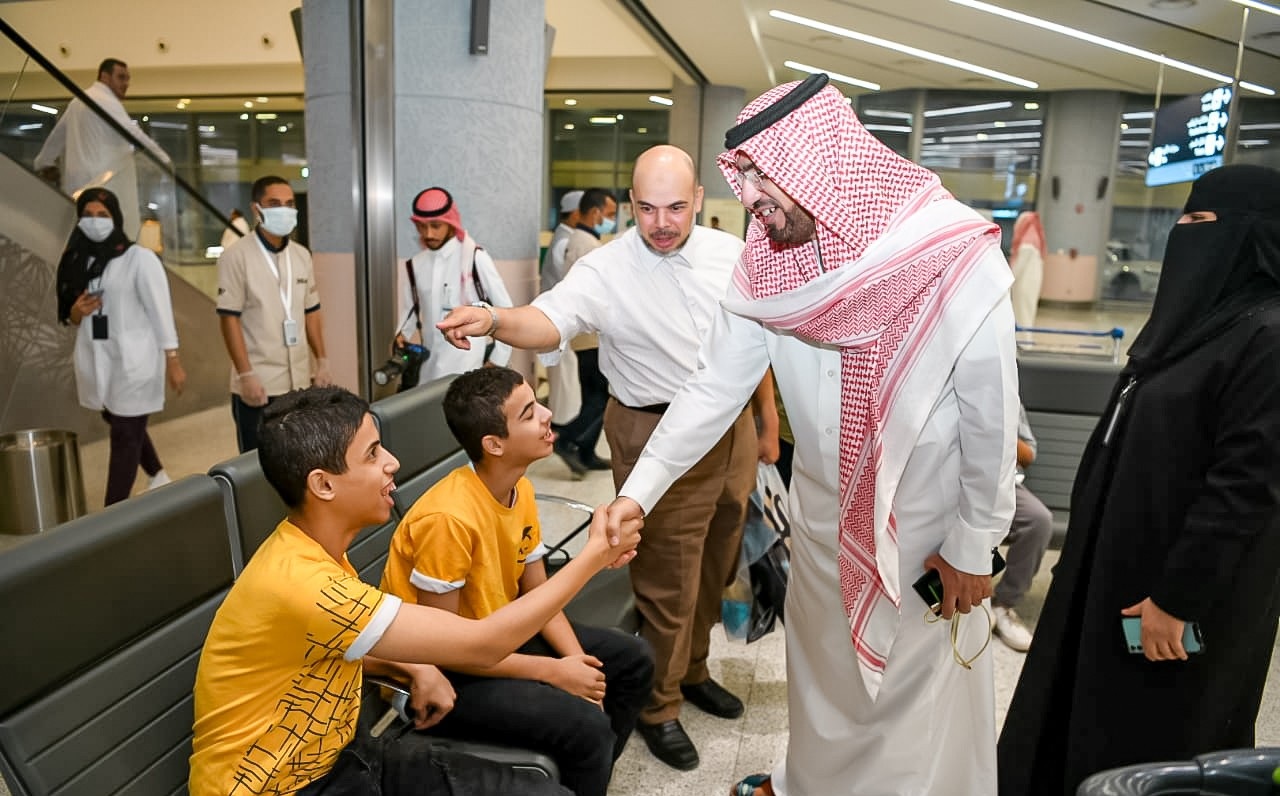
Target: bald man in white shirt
(651, 294)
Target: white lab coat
(94, 154)
(125, 374)
(444, 279)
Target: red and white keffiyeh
(1028, 231)
(908, 281)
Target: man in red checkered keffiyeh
(882, 305)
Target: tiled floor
(756, 672)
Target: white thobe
(445, 280)
(94, 154)
(125, 374)
(931, 730)
(1028, 274)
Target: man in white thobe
(882, 306)
(94, 154)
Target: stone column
(1081, 134)
(699, 119)
(469, 123)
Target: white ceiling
(736, 42)
(247, 45)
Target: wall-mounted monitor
(1188, 137)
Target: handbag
(752, 603)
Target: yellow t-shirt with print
(277, 692)
(457, 537)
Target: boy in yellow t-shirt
(277, 693)
(471, 545)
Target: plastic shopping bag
(753, 602)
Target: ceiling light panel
(813, 70)
(875, 41)
(1111, 44)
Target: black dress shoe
(713, 698)
(568, 452)
(669, 743)
(593, 462)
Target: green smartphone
(1192, 641)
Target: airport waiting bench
(1064, 398)
(106, 616)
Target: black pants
(247, 418)
(584, 430)
(582, 739)
(130, 446)
(404, 764)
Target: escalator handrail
(126, 133)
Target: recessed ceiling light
(1031, 106)
(602, 120)
(262, 99)
(656, 100)
(642, 130)
(902, 48)
(571, 102)
(1110, 44)
(570, 126)
(248, 104)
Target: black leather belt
(653, 409)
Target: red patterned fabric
(859, 193)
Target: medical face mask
(279, 221)
(605, 227)
(96, 229)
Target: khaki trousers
(688, 549)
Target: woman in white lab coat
(117, 293)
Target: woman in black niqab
(1175, 517)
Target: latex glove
(251, 390)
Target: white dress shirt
(651, 311)
(553, 268)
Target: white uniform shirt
(125, 374)
(445, 280)
(553, 268)
(651, 311)
(94, 154)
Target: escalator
(37, 384)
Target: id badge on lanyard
(291, 337)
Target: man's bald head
(665, 197)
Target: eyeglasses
(754, 176)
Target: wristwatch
(493, 317)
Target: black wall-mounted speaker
(479, 27)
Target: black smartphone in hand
(929, 585)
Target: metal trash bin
(40, 480)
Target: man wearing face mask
(576, 444)
(269, 311)
(452, 270)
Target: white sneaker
(159, 479)
(1010, 629)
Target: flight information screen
(1188, 137)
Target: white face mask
(96, 229)
(279, 221)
